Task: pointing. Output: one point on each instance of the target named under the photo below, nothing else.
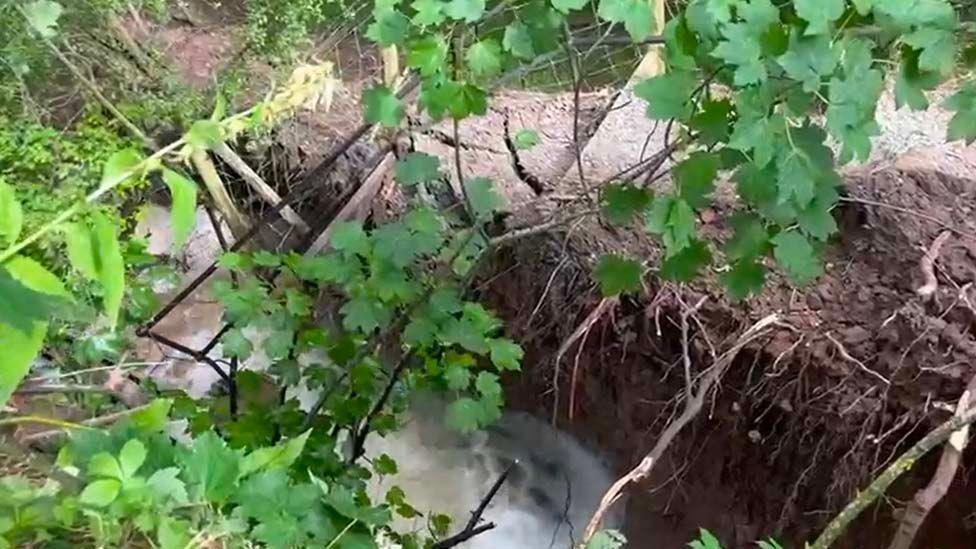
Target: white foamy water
(550, 495)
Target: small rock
(814, 301)
(855, 335)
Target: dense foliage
(776, 94)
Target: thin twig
(472, 528)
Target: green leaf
(468, 11)
(482, 198)
(795, 254)
(488, 386)
(816, 220)
(428, 55)
(621, 202)
(745, 278)
(235, 261)
(210, 468)
(912, 83)
(809, 60)
(429, 13)
(385, 465)
(674, 220)
(713, 122)
(760, 14)
(465, 415)
(166, 486)
(468, 100)
(42, 16)
(667, 95)
(389, 27)
(364, 314)
(566, 6)
(349, 236)
(962, 126)
(606, 539)
(297, 303)
(636, 16)
(110, 266)
(173, 533)
(153, 417)
(457, 376)
(705, 541)
(741, 49)
(695, 178)
(120, 167)
(81, 251)
(819, 14)
(517, 40)
(100, 493)
(750, 239)
(36, 277)
(525, 139)
(28, 294)
(796, 180)
(280, 456)
(11, 215)
(264, 258)
(484, 58)
(617, 274)
(183, 213)
(235, 344)
(938, 49)
(204, 135)
(417, 167)
(687, 263)
(505, 354)
(382, 107)
(131, 457)
(19, 351)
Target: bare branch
(923, 502)
(880, 484)
(472, 528)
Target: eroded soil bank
(803, 417)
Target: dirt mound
(804, 417)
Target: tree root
(880, 484)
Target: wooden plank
(358, 205)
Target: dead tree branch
(692, 407)
(472, 528)
(926, 498)
(252, 178)
(880, 484)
